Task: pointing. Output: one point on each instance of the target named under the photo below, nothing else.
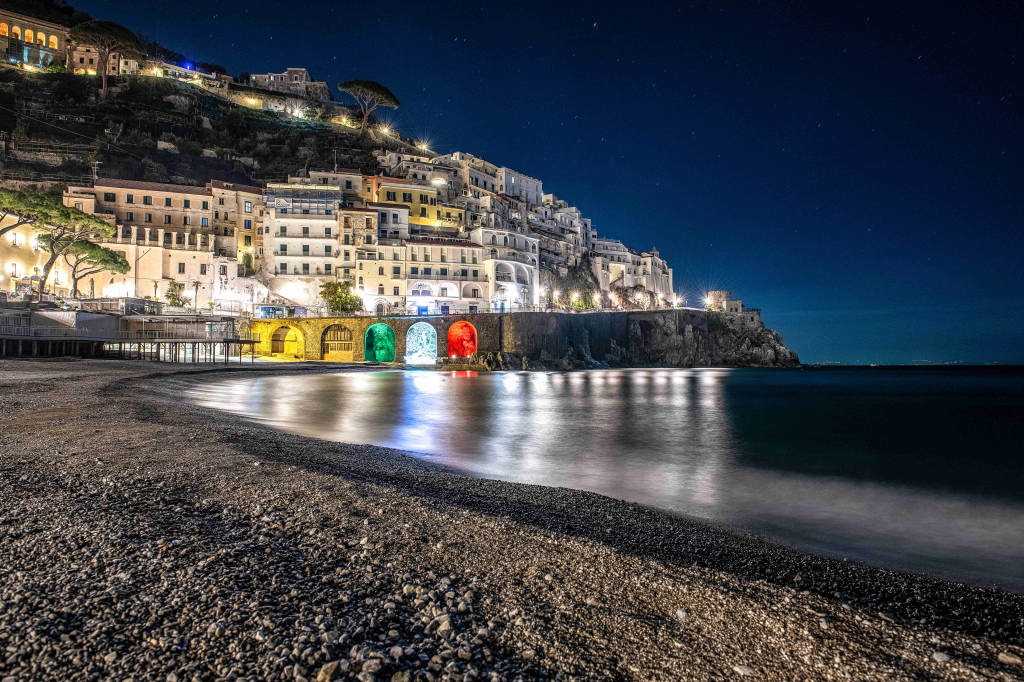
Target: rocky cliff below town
(667, 338)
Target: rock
(743, 670)
(1008, 658)
(401, 676)
(529, 654)
(111, 657)
(940, 657)
(681, 615)
(374, 665)
(327, 671)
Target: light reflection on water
(871, 466)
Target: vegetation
(86, 258)
(28, 208)
(108, 38)
(175, 290)
(61, 232)
(339, 297)
(195, 295)
(369, 95)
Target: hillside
(160, 130)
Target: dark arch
(286, 341)
(461, 340)
(379, 345)
(336, 344)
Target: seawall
(548, 340)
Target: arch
(379, 344)
(41, 38)
(421, 344)
(286, 341)
(336, 344)
(383, 307)
(29, 36)
(522, 275)
(461, 340)
(54, 45)
(4, 29)
(16, 32)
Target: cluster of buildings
(36, 44)
(427, 235)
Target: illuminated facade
(30, 41)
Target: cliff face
(664, 338)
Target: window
(348, 184)
(28, 35)
(305, 230)
(414, 270)
(181, 268)
(380, 289)
(348, 255)
(327, 268)
(248, 207)
(187, 203)
(423, 211)
(383, 219)
(426, 272)
(476, 273)
(305, 249)
(284, 250)
(147, 200)
(439, 215)
(248, 240)
(149, 217)
(305, 268)
(283, 230)
(424, 198)
(444, 272)
(109, 196)
(327, 250)
(407, 197)
(247, 224)
(390, 196)
(202, 269)
(167, 201)
(369, 222)
(394, 218)
(206, 205)
(284, 268)
(396, 271)
(184, 220)
(220, 201)
(204, 221)
(167, 220)
(327, 231)
(130, 198)
(129, 216)
(396, 291)
(464, 272)
(224, 270)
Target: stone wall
(664, 338)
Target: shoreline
(321, 552)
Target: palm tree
(195, 298)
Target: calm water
(908, 468)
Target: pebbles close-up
(145, 538)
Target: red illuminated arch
(461, 340)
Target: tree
(27, 208)
(175, 289)
(339, 297)
(62, 231)
(107, 38)
(368, 96)
(195, 297)
(86, 258)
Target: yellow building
(22, 263)
(425, 210)
(238, 210)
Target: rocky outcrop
(666, 338)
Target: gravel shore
(144, 538)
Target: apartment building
(238, 211)
(294, 81)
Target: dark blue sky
(854, 170)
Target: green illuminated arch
(380, 343)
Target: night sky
(854, 170)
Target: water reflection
(867, 466)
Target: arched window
(3, 29)
(16, 32)
(41, 39)
(493, 240)
(506, 241)
(53, 43)
(28, 35)
(360, 281)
